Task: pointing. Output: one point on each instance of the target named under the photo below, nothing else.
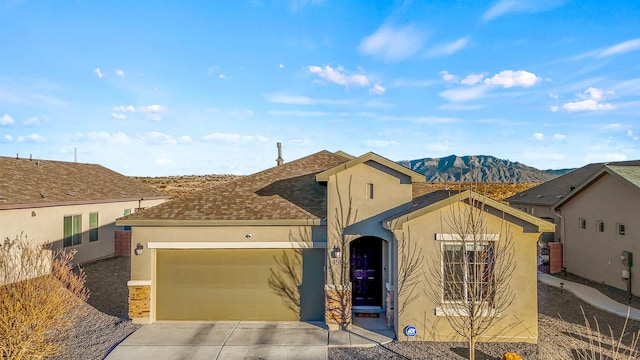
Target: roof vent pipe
(279, 160)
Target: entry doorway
(366, 272)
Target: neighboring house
(601, 221)
(318, 238)
(68, 205)
(540, 200)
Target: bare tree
(410, 265)
(469, 278)
(40, 299)
(338, 299)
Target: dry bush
(590, 342)
(41, 297)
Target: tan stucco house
(601, 225)
(68, 204)
(320, 238)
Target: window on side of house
(621, 229)
(93, 227)
(600, 226)
(127, 212)
(583, 224)
(369, 191)
(72, 232)
(467, 272)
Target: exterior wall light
(138, 249)
(336, 252)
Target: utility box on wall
(555, 257)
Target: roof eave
(370, 156)
(190, 223)
(77, 202)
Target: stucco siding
(517, 323)
(593, 254)
(45, 225)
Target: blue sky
(175, 88)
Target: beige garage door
(226, 284)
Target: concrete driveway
(238, 340)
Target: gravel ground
(105, 324)
(560, 326)
(560, 323)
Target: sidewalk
(591, 296)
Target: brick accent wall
(122, 243)
(140, 301)
(337, 308)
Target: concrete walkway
(591, 296)
(241, 340)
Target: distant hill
(479, 168)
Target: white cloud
(510, 78)
(504, 7)
(299, 142)
(34, 120)
(538, 136)
(553, 95)
(281, 66)
(377, 89)
(221, 76)
(448, 77)
(465, 93)
(614, 127)
(157, 138)
(339, 76)
(378, 143)
(118, 116)
(102, 136)
(298, 113)
(558, 136)
(8, 138)
(412, 83)
(152, 112)
(185, 139)
(392, 44)
(592, 97)
(119, 72)
(555, 108)
(163, 161)
(98, 72)
(450, 48)
(32, 138)
(152, 109)
(621, 48)
(122, 108)
(281, 98)
(6, 120)
(473, 79)
(234, 138)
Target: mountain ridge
(479, 168)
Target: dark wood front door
(366, 271)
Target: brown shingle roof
(552, 191)
(38, 183)
(284, 192)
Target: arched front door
(366, 271)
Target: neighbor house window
(621, 229)
(72, 230)
(600, 226)
(93, 227)
(583, 224)
(369, 191)
(127, 212)
(467, 272)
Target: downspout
(562, 238)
